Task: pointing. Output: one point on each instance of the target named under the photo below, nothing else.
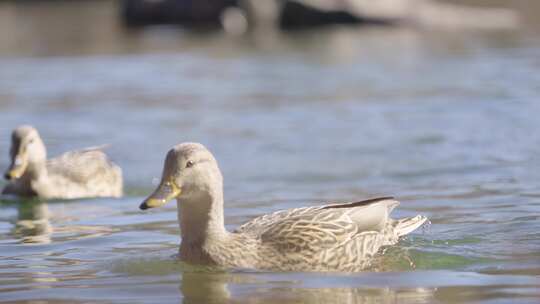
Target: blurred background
(302, 102)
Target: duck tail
(408, 225)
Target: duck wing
(316, 228)
(81, 165)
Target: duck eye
(189, 164)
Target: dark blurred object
(237, 15)
(287, 14)
(184, 12)
(297, 15)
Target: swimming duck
(334, 237)
(74, 174)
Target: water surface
(445, 121)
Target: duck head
(190, 174)
(26, 153)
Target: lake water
(448, 122)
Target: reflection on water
(33, 225)
(444, 121)
(208, 285)
(211, 286)
(351, 295)
(200, 287)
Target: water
(446, 121)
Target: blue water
(447, 122)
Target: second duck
(74, 174)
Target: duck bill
(17, 168)
(164, 193)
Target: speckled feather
(88, 170)
(321, 238)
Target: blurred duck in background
(74, 174)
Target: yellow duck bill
(164, 193)
(17, 168)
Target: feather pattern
(85, 173)
(323, 238)
(81, 165)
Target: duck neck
(201, 218)
(36, 170)
(35, 176)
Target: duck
(331, 237)
(75, 174)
